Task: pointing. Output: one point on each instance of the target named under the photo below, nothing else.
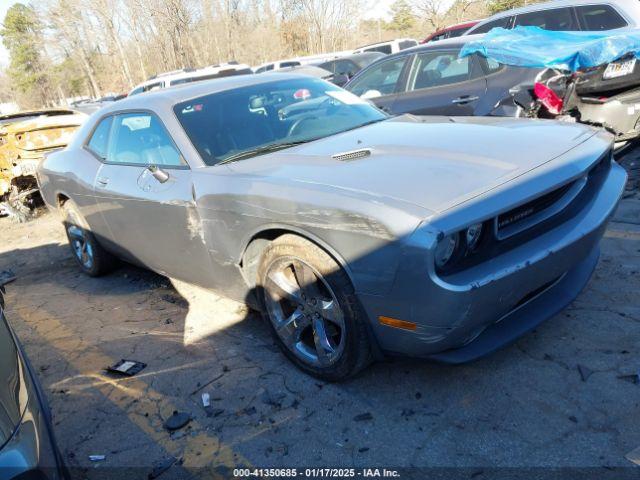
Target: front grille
(537, 205)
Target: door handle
(102, 181)
(159, 174)
(465, 99)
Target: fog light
(445, 250)
(473, 234)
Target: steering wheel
(296, 125)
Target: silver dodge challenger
(356, 234)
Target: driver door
(145, 193)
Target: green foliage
(22, 37)
(496, 6)
(403, 18)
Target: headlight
(445, 250)
(473, 235)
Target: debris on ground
(175, 300)
(363, 417)
(97, 458)
(7, 276)
(634, 456)
(273, 399)
(585, 372)
(163, 466)
(633, 378)
(127, 367)
(177, 421)
(206, 400)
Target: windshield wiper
(272, 147)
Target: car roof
(386, 42)
(557, 4)
(456, 42)
(168, 97)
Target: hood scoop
(352, 155)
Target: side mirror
(371, 94)
(159, 174)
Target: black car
(348, 66)
(27, 444)
(433, 80)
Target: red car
(451, 31)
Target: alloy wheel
(81, 246)
(304, 312)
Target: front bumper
(477, 311)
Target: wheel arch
(255, 243)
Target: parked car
(344, 68)
(298, 61)
(27, 444)
(567, 15)
(433, 80)
(24, 140)
(389, 47)
(188, 75)
(451, 31)
(356, 234)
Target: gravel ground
(525, 406)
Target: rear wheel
(309, 303)
(88, 253)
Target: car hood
(432, 162)
(13, 384)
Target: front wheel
(310, 305)
(88, 253)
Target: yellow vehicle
(25, 138)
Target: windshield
(248, 121)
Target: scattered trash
(573, 419)
(127, 367)
(418, 395)
(585, 372)
(175, 300)
(634, 378)
(214, 412)
(177, 420)
(634, 456)
(7, 276)
(162, 467)
(363, 417)
(363, 449)
(273, 399)
(97, 458)
(206, 400)
(248, 411)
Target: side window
(487, 27)
(382, 78)
(100, 139)
(140, 139)
(136, 91)
(152, 86)
(289, 64)
(600, 17)
(386, 49)
(556, 19)
(407, 44)
(435, 69)
(329, 66)
(492, 65)
(345, 67)
(458, 32)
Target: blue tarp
(538, 48)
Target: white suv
(187, 75)
(567, 15)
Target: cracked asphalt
(528, 405)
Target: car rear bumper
(620, 113)
(482, 309)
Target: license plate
(619, 69)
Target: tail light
(549, 98)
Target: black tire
(350, 340)
(101, 261)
